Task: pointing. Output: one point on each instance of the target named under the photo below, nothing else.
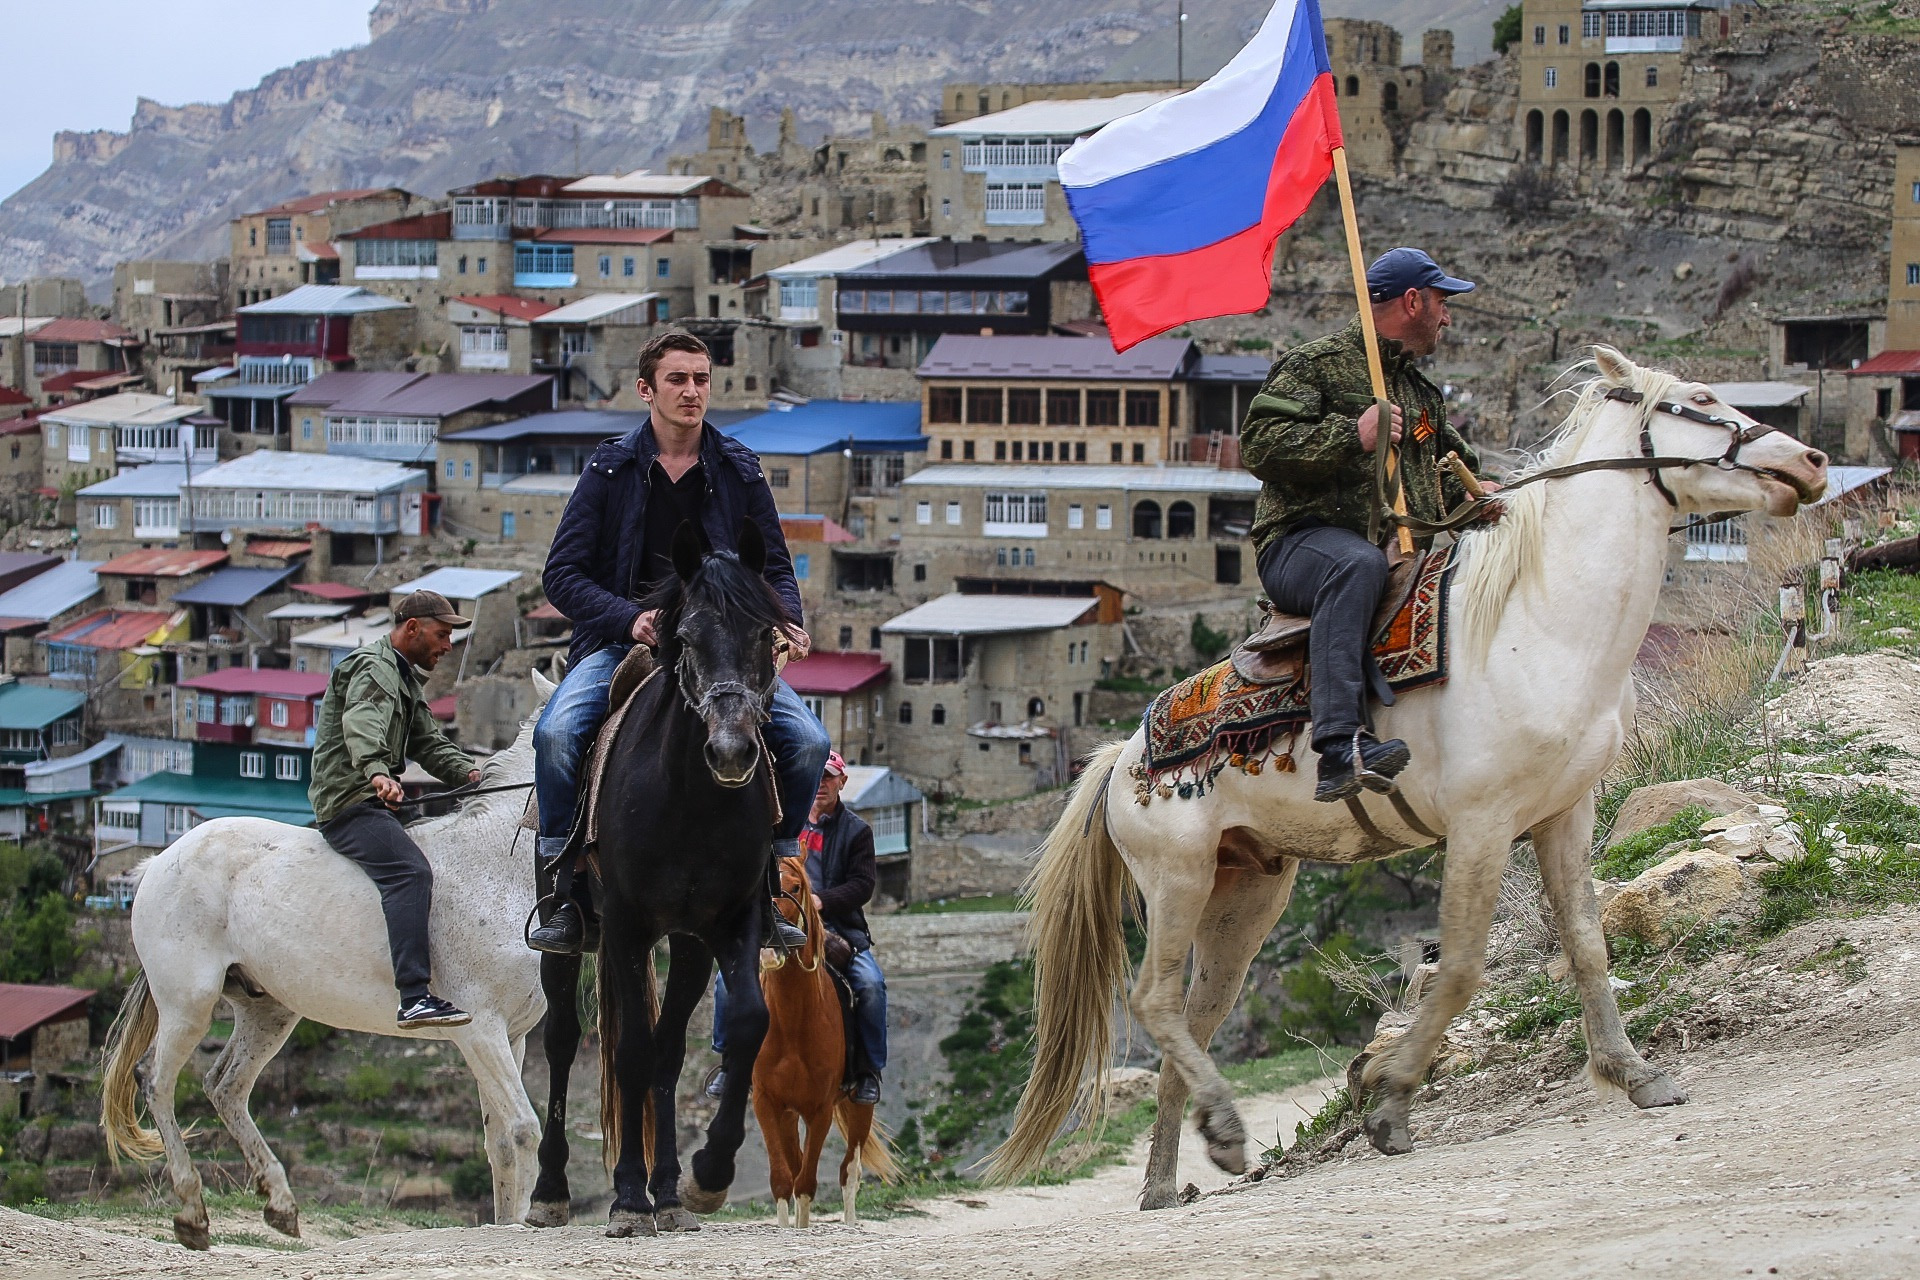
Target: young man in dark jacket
(841, 868)
(613, 546)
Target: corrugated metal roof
(506, 305)
(824, 425)
(71, 329)
(332, 591)
(809, 528)
(542, 482)
(349, 633)
(12, 326)
(9, 396)
(118, 629)
(835, 673)
(598, 306)
(129, 408)
(969, 259)
(249, 390)
(155, 480)
(1760, 395)
(323, 300)
(599, 424)
(1052, 117)
(302, 612)
(318, 200)
(331, 387)
(276, 681)
(441, 395)
(460, 584)
(223, 797)
(162, 563)
(873, 786)
(962, 615)
(1888, 362)
(421, 226)
(24, 1007)
(640, 182)
(846, 257)
(235, 586)
(1230, 368)
(1842, 481)
(960, 355)
(59, 764)
(317, 472)
(34, 706)
(1127, 479)
(48, 595)
(279, 548)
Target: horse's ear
(687, 551)
(753, 547)
(1614, 367)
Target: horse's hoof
(549, 1214)
(1389, 1134)
(1158, 1195)
(622, 1223)
(1660, 1091)
(675, 1218)
(1226, 1138)
(286, 1222)
(1228, 1157)
(698, 1198)
(194, 1235)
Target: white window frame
(953, 513)
(923, 513)
(106, 515)
(1076, 516)
(277, 714)
(156, 517)
(253, 764)
(287, 768)
(1103, 516)
(1553, 77)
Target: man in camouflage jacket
(1310, 436)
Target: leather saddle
(1276, 652)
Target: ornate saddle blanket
(1247, 710)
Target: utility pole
(1180, 48)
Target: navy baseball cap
(1398, 270)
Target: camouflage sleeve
(1452, 492)
(1293, 432)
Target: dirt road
(1796, 1157)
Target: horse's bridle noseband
(1743, 434)
(701, 704)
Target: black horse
(686, 818)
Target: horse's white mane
(479, 820)
(1509, 553)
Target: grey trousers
(1335, 577)
(372, 836)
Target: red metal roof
(519, 308)
(278, 548)
(112, 629)
(331, 590)
(835, 672)
(68, 329)
(1887, 362)
(23, 1007)
(321, 199)
(814, 529)
(162, 564)
(444, 708)
(68, 381)
(604, 235)
(25, 424)
(285, 684)
(9, 396)
(423, 226)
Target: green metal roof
(223, 797)
(18, 797)
(34, 706)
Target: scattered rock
(1648, 807)
(1605, 891)
(75, 1144)
(31, 1144)
(1683, 272)
(1687, 889)
(1129, 1085)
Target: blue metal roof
(46, 596)
(235, 586)
(866, 426)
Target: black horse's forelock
(723, 584)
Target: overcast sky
(81, 64)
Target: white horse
(1547, 611)
(268, 916)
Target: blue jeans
(869, 1009)
(573, 716)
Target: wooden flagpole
(1384, 438)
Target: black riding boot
(564, 932)
(781, 934)
(1364, 762)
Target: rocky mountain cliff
(450, 91)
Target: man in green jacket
(372, 719)
(1310, 436)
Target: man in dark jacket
(1310, 436)
(841, 868)
(613, 546)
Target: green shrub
(310, 1035)
(369, 1082)
(472, 1179)
(22, 1184)
(1536, 1008)
(1637, 852)
(37, 942)
(1506, 29)
(1207, 642)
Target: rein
(1474, 508)
(461, 793)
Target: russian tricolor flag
(1179, 205)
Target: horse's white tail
(127, 1042)
(1079, 967)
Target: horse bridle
(763, 696)
(1652, 463)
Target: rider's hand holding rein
(389, 791)
(1369, 426)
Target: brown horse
(802, 1062)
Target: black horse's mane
(723, 584)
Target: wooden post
(1384, 440)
